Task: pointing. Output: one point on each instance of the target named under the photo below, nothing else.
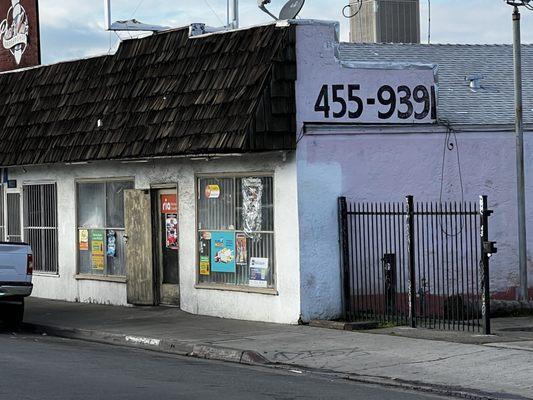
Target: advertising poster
(111, 243)
(212, 191)
(98, 262)
(205, 248)
(97, 241)
(169, 204)
(258, 272)
(242, 251)
(223, 252)
(84, 240)
(97, 249)
(204, 265)
(171, 223)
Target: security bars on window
(40, 225)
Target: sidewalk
(500, 368)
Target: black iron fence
(418, 264)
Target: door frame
(154, 197)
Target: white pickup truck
(16, 269)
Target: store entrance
(167, 246)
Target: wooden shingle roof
(160, 96)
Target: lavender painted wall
(386, 165)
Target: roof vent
(474, 81)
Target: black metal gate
(417, 264)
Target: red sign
(169, 204)
(20, 45)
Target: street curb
(250, 357)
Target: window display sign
(223, 252)
(252, 195)
(97, 249)
(84, 240)
(258, 272)
(171, 223)
(169, 204)
(242, 251)
(205, 248)
(212, 191)
(111, 243)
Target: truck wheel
(14, 314)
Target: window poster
(171, 223)
(205, 249)
(111, 243)
(97, 249)
(83, 240)
(258, 272)
(169, 204)
(223, 252)
(212, 191)
(242, 251)
(98, 262)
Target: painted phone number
(401, 102)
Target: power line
(137, 8)
(214, 12)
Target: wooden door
(139, 253)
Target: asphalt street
(41, 367)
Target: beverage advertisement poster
(84, 240)
(97, 249)
(97, 241)
(242, 251)
(258, 272)
(171, 223)
(223, 252)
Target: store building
(204, 171)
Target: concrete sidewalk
(495, 369)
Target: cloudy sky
(74, 28)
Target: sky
(72, 29)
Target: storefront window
(101, 227)
(236, 231)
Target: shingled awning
(160, 96)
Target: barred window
(40, 225)
(236, 231)
(13, 231)
(101, 227)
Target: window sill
(232, 288)
(117, 279)
(47, 274)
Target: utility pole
(519, 127)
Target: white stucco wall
(283, 308)
(368, 166)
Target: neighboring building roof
(457, 103)
(160, 96)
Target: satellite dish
(291, 9)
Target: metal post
(345, 258)
(107, 14)
(234, 14)
(485, 282)
(411, 259)
(522, 245)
